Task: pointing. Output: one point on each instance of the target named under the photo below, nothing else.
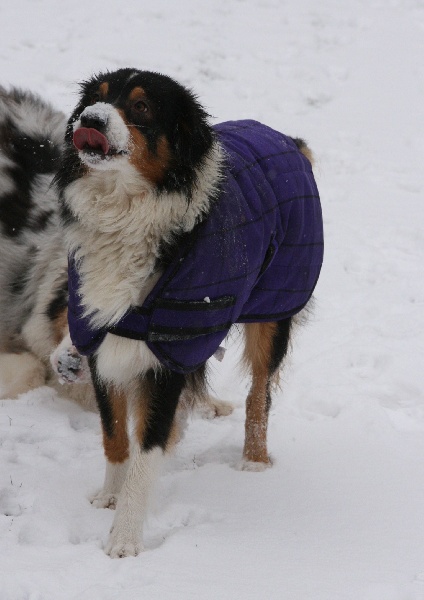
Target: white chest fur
(121, 222)
(116, 239)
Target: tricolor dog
(175, 231)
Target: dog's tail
(304, 149)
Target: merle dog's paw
(70, 366)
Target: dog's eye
(141, 106)
(95, 98)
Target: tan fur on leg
(142, 472)
(257, 357)
(116, 446)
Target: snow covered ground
(340, 516)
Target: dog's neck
(121, 222)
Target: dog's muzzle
(99, 134)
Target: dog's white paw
(118, 548)
(253, 466)
(222, 408)
(104, 500)
(214, 407)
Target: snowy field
(340, 516)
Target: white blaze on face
(113, 128)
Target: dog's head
(142, 117)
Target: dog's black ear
(193, 136)
(190, 140)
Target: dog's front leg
(155, 411)
(115, 475)
(112, 404)
(126, 534)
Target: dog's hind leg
(155, 412)
(266, 345)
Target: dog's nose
(94, 119)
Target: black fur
(34, 154)
(59, 302)
(280, 344)
(15, 206)
(163, 389)
(41, 221)
(300, 143)
(30, 157)
(102, 398)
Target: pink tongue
(92, 138)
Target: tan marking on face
(104, 89)
(152, 166)
(257, 356)
(137, 93)
(116, 447)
